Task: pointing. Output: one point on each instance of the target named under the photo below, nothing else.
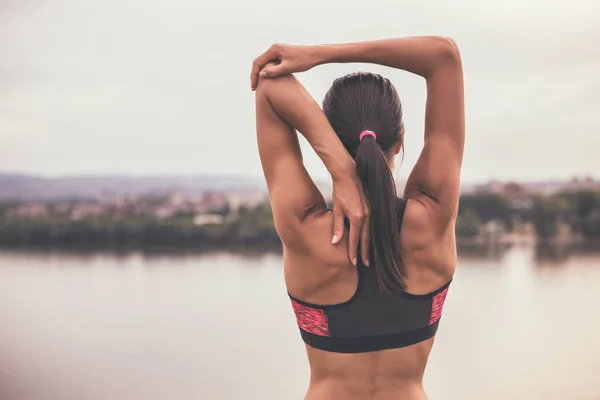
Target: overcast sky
(161, 86)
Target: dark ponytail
(373, 168)
(354, 103)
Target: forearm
(296, 107)
(419, 55)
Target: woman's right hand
(289, 59)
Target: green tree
(467, 224)
(546, 212)
(486, 206)
(583, 204)
(591, 224)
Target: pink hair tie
(367, 133)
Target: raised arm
(282, 107)
(435, 179)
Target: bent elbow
(266, 82)
(448, 50)
(444, 56)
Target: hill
(38, 188)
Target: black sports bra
(371, 320)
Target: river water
(519, 323)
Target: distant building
(528, 189)
(31, 210)
(508, 189)
(164, 211)
(175, 199)
(62, 208)
(493, 230)
(204, 219)
(211, 201)
(248, 199)
(84, 210)
(577, 184)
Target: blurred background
(138, 258)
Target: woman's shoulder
(424, 242)
(419, 215)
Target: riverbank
(527, 239)
(215, 222)
(466, 247)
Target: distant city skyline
(124, 87)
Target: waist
(396, 371)
(364, 389)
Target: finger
(355, 227)
(273, 71)
(338, 225)
(365, 238)
(258, 63)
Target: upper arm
(435, 179)
(293, 195)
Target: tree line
(577, 210)
(254, 227)
(251, 227)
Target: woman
(369, 325)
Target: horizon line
(41, 175)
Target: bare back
(320, 273)
(327, 277)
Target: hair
(365, 101)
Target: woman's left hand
(289, 58)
